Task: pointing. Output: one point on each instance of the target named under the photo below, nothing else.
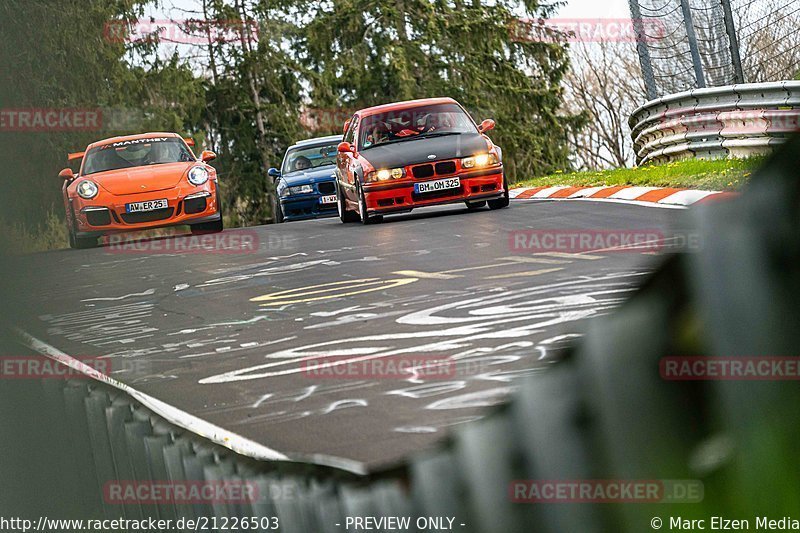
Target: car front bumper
(107, 213)
(478, 185)
(306, 207)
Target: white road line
(221, 436)
(565, 255)
(198, 426)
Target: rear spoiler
(189, 141)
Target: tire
(207, 227)
(215, 226)
(503, 201)
(279, 213)
(362, 210)
(345, 215)
(80, 243)
(475, 205)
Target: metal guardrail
(733, 121)
(602, 412)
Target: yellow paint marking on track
(425, 275)
(564, 255)
(482, 267)
(525, 274)
(542, 260)
(337, 289)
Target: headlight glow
(87, 189)
(198, 176)
(300, 189)
(385, 174)
(480, 161)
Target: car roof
(317, 140)
(132, 138)
(405, 105)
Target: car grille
(194, 205)
(442, 168)
(446, 167)
(422, 171)
(98, 217)
(147, 216)
(326, 187)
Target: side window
(350, 136)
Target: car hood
(312, 175)
(141, 179)
(400, 154)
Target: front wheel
(362, 210)
(503, 201)
(80, 243)
(279, 213)
(345, 215)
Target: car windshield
(318, 155)
(422, 121)
(136, 153)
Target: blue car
(306, 183)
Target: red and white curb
(647, 196)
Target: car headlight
(480, 161)
(198, 175)
(299, 189)
(386, 174)
(87, 189)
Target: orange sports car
(140, 182)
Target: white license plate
(150, 205)
(438, 185)
(330, 199)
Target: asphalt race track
(223, 336)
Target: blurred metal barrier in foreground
(603, 413)
(732, 121)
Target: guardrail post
(692, 36)
(644, 53)
(730, 29)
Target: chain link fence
(688, 44)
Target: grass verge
(716, 175)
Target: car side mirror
(207, 155)
(274, 173)
(66, 174)
(345, 147)
(486, 125)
